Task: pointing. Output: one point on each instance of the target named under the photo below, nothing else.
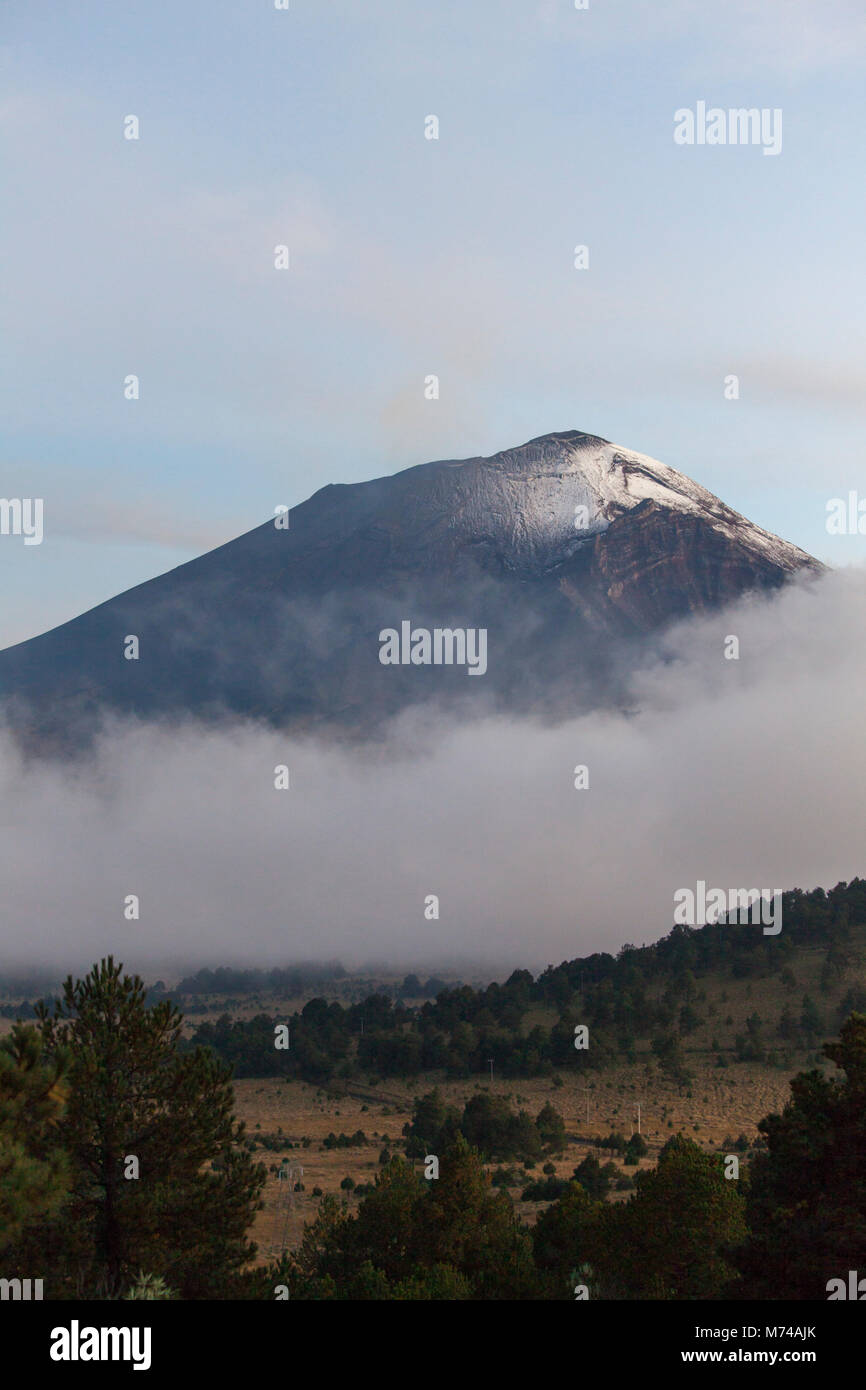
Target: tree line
(651, 992)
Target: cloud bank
(741, 773)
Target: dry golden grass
(723, 1104)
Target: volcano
(570, 553)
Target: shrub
(614, 1140)
(635, 1148)
(149, 1286)
(548, 1190)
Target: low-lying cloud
(742, 773)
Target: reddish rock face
(653, 565)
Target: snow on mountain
(531, 495)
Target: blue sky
(411, 257)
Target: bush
(345, 1141)
(635, 1148)
(547, 1191)
(614, 1140)
(151, 1287)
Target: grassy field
(721, 1104)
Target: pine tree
(807, 1194)
(672, 1239)
(558, 1240)
(811, 1019)
(161, 1178)
(33, 1171)
(594, 1180)
(463, 1225)
(551, 1127)
(449, 1238)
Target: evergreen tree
(464, 1225)
(434, 1126)
(160, 1178)
(689, 1020)
(490, 1125)
(34, 1173)
(807, 1194)
(811, 1019)
(673, 1238)
(551, 1127)
(448, 1238)
(594, 1179)
(635, 1149)
(666, 1047)
(559, 1238)
(787, 1026)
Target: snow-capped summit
(548, 496)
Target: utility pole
(490, 1060)
(585, 1090)
(287, 1199)
(637, 1107)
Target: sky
(410, 256)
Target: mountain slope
(571, 553)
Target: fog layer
(742, 773)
